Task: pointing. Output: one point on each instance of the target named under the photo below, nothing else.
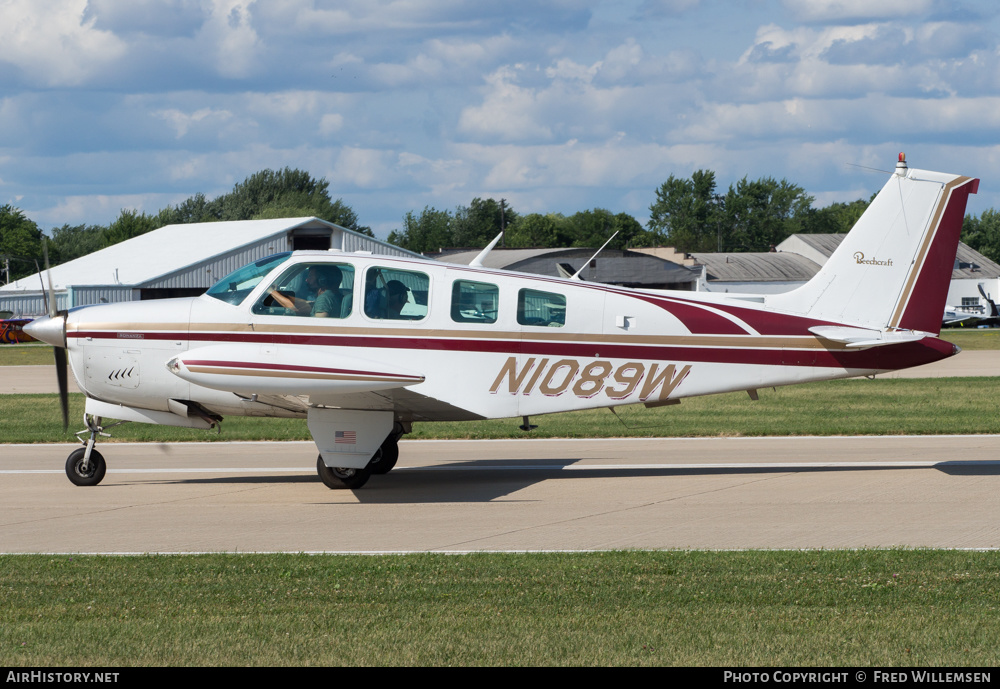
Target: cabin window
(396, 294)
(474, 302)
(316, 290)
(235, 287)
(541, 308)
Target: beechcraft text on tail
(363, 345)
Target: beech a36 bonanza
(362, 345)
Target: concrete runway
(457, 496)
(514, 495)
(30, 380)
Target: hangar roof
(612, 266)
(757, 267)
(173, 248)
(969, 263)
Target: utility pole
(503, 224)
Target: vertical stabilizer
(893, 268)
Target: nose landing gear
(85, 470)
(85, 466)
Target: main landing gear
(85, 466)
(382, 462)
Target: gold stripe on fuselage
(417, 333)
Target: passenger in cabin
(387, 302)
(397, 295)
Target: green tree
(687, 213)
(762, 213)
(593, 227)
(477, 224)
(429, 231)
(73, 241)
(195, 209)
(20, 243)
(983, 233)
(837, 218)
(129, 223)
(539, 231)
(286, 193)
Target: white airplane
(363, 345)
(972, 315)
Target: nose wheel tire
(92, 475)
(340, 478)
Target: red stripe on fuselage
(887, 357)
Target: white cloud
(853, 10)
(228, 34)
(330, 123)
(70, 209)
(615, 163)
(152, 17)
(53, 44)
(571, 71)
(508, 111)
(406, 103)
(182, 121)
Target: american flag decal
(345, 437)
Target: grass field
(848, 407)
(26, 355)
(835, 608)
(973, 338)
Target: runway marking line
(550, 467)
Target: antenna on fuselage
(477, 262)
(576, 275)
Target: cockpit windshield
(235, 287)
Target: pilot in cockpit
(324, 282)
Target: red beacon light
(901, 165)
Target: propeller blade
(53, 309)
(61, 365)
(63, 385)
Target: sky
(553, 105)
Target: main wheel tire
(341, 478)
(94, 473)
(385, 457)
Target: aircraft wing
(250, 369)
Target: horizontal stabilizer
(249, 369)
(863, 338)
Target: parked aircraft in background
(363, 346)
(12, 331)
(974, 316)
